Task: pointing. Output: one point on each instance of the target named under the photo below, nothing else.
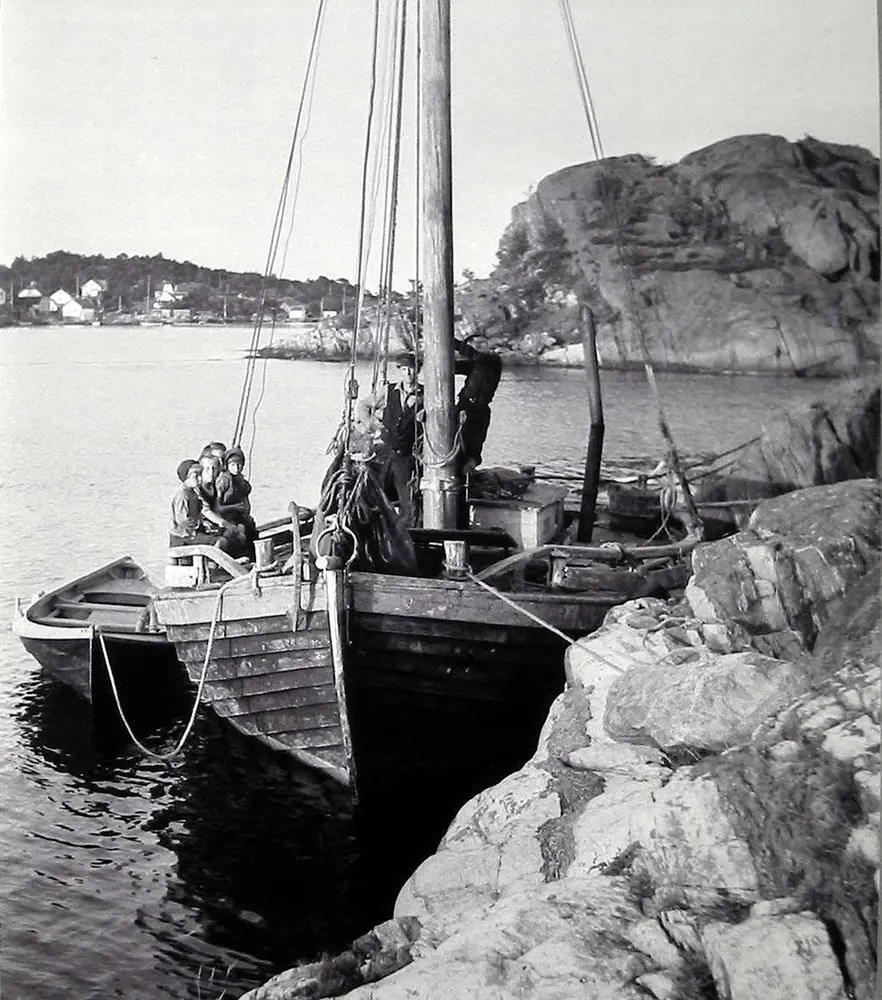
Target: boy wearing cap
(193, 522)
(187, 526)
(233, 489)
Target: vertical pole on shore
(441, 484)
(591, 481)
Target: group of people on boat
(213, 503)
(212, 506)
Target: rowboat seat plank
(121, 598)
(130, 610)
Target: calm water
(126, 877)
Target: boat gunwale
(34, 621)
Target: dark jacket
(233, 494)
(400, 420)
(482, 370)
(186, 513)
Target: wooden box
(532, 520)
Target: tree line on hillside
(130, 282)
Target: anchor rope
(540, 621)
(252, 576)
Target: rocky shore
(830, 439)
(753, 255)
(701, 816)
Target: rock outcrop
(714, 836)
(754, 254)
(833, 438)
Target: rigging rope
(308, 81)
(380, 168)
(594, 133)
(393, 170)
(350, 384)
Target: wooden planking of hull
(59, 628)
(426, 663)
(270, 672)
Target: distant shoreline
(563, 357)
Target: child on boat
(189, 523)
(234, 495)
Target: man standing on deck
(482, 370)
(402, 408)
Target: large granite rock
(753, 254)
(831, 439)
(616, 869)
(771, 587)
(805, 965)
(699, 699)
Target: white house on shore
(93, 289)
(58, 299)
(167, 295)
(75, 312)
(62, 304)
(295, 311)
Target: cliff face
(753, 254)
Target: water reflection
(239, 862)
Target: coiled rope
(252, 576)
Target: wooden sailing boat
(354, 671)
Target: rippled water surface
(123, 876)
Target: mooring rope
(202, 677)
(540, 621)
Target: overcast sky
(148, 126)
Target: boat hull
(270, 671)
(431, 673)
(60, 629)
(68, 661)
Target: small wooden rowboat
(59, 628)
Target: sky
(164, 127)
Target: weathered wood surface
(622, 582)
(468, 604)
(267, 679)
(441, 484)
(259, 627)
(274, 596)
(252, 645)
(278, 689)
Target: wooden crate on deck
(535, 518)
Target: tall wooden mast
(441, 484)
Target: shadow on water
(271, 863)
